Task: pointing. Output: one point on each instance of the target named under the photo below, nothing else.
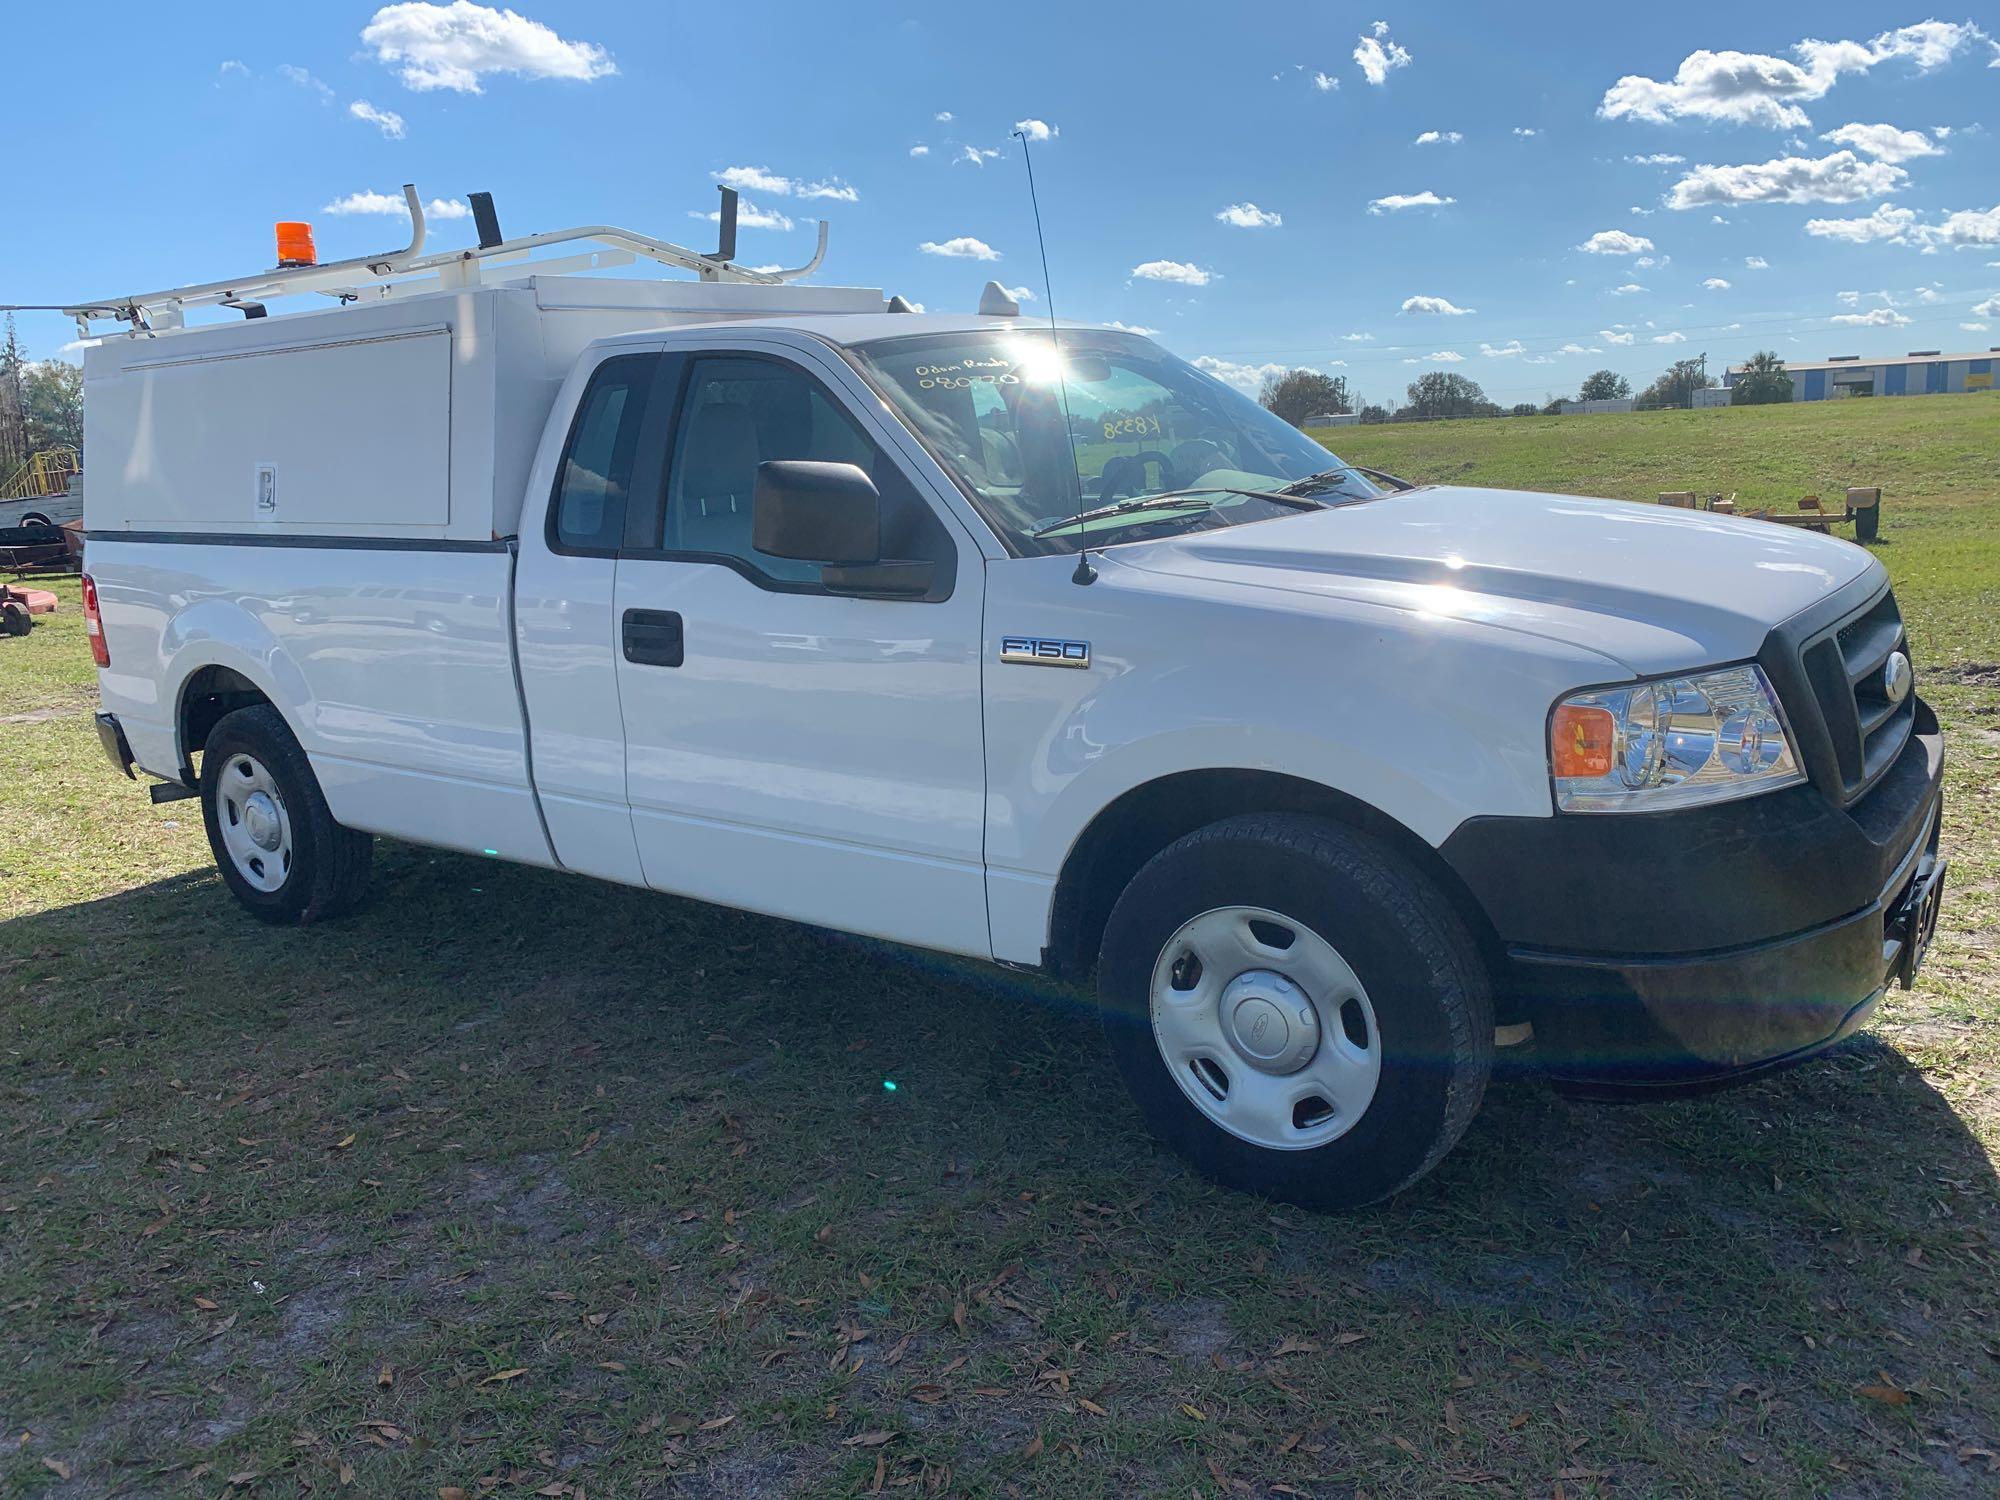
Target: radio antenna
(1085, 573)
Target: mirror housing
(816, 512)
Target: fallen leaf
(1091, 1406)
(344, 1142)
(1349, 1338)
(716, 1424)
(1888, 1395)
(588, 1141)
(386, 1376)
(1194, 1411)
(1034, 1449)
(1295, 1346)
(56, 1467)
(503, 1375)
(867, 1440)
(206, 1305)
(1407, 1446)
(452, 1492)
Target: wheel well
(1145, 820)
(205, 697)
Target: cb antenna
(1085, 573)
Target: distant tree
(1605, 385)
(1524, 409)
(13, 420)
(52, 404)
(1762, 382)
(1298, 394)
(1370, 415)
(1553, 406)
(1445, 393)
(1676, 386)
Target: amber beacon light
(295, 244)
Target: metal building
(1921, 372)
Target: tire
(1404, 993)
(15, 619)
(279, 850)
(36, 518)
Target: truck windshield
(990, 406)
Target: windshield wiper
(1173, 500)
(1325, 477)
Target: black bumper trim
(111, 735)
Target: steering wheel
(1126, 474)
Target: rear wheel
(1296, 1009)
(279, 850)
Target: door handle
(653, 638)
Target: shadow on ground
(514, 1182)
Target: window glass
(739, 413)
(1036, 432)
(596, 474)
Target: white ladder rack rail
(161, 310)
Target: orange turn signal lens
(295, 244)
(1580, 741)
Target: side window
(738, 413)
(588, 514)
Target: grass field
(519, 1184)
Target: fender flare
(219, 633)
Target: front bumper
(1691, 948)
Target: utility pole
(1704, 380)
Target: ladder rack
(149, 312)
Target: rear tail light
(93, 623)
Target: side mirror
(816, 512)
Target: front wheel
(279, 850)
(1296, 1009)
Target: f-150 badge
(1034, 651)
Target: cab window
(737, 413)
(595, 476)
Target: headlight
(1674, 742)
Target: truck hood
(1652, 588)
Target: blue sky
(1281, 184)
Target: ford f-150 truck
(1024, 641)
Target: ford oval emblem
(1897, 677)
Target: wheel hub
(260, 820)
(1270, 1021)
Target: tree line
(1301, 394)
(41, 402)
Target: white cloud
(1505, 351)
(1716, 284)
(1377, 55)
(943, 117)
(1037, 130)
(454, 46)
(1020, 293)
(1444, 356)
(1647, 262)
(1627, 289)
(1657, 159)
(1876, 317)
(1325, 82)
(1615, 242)
(1968, 229)
(1976, 327)
(1757, 89)
(1439, 138)
(1137, 328)
(960, 247)
(1756, 263)
(749, 215)
(385, 120)
(978, 156)
(1887, 222)
(1840, 178)
(1250, 216)
(1357, 338)
(1676, 337)
(1246, 378)
(1441, 306)
(1579, 349)
(292, 73)
(1884, 142)
(1526, 130)
(392, 203)
(1395, 201)
(1990, 308)
(231, 65)
(1173, 270)
(1617, 335)
(764, 180)
(920, 151)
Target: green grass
(641, 1151)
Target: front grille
(1846, 669)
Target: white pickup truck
(1034, 644)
